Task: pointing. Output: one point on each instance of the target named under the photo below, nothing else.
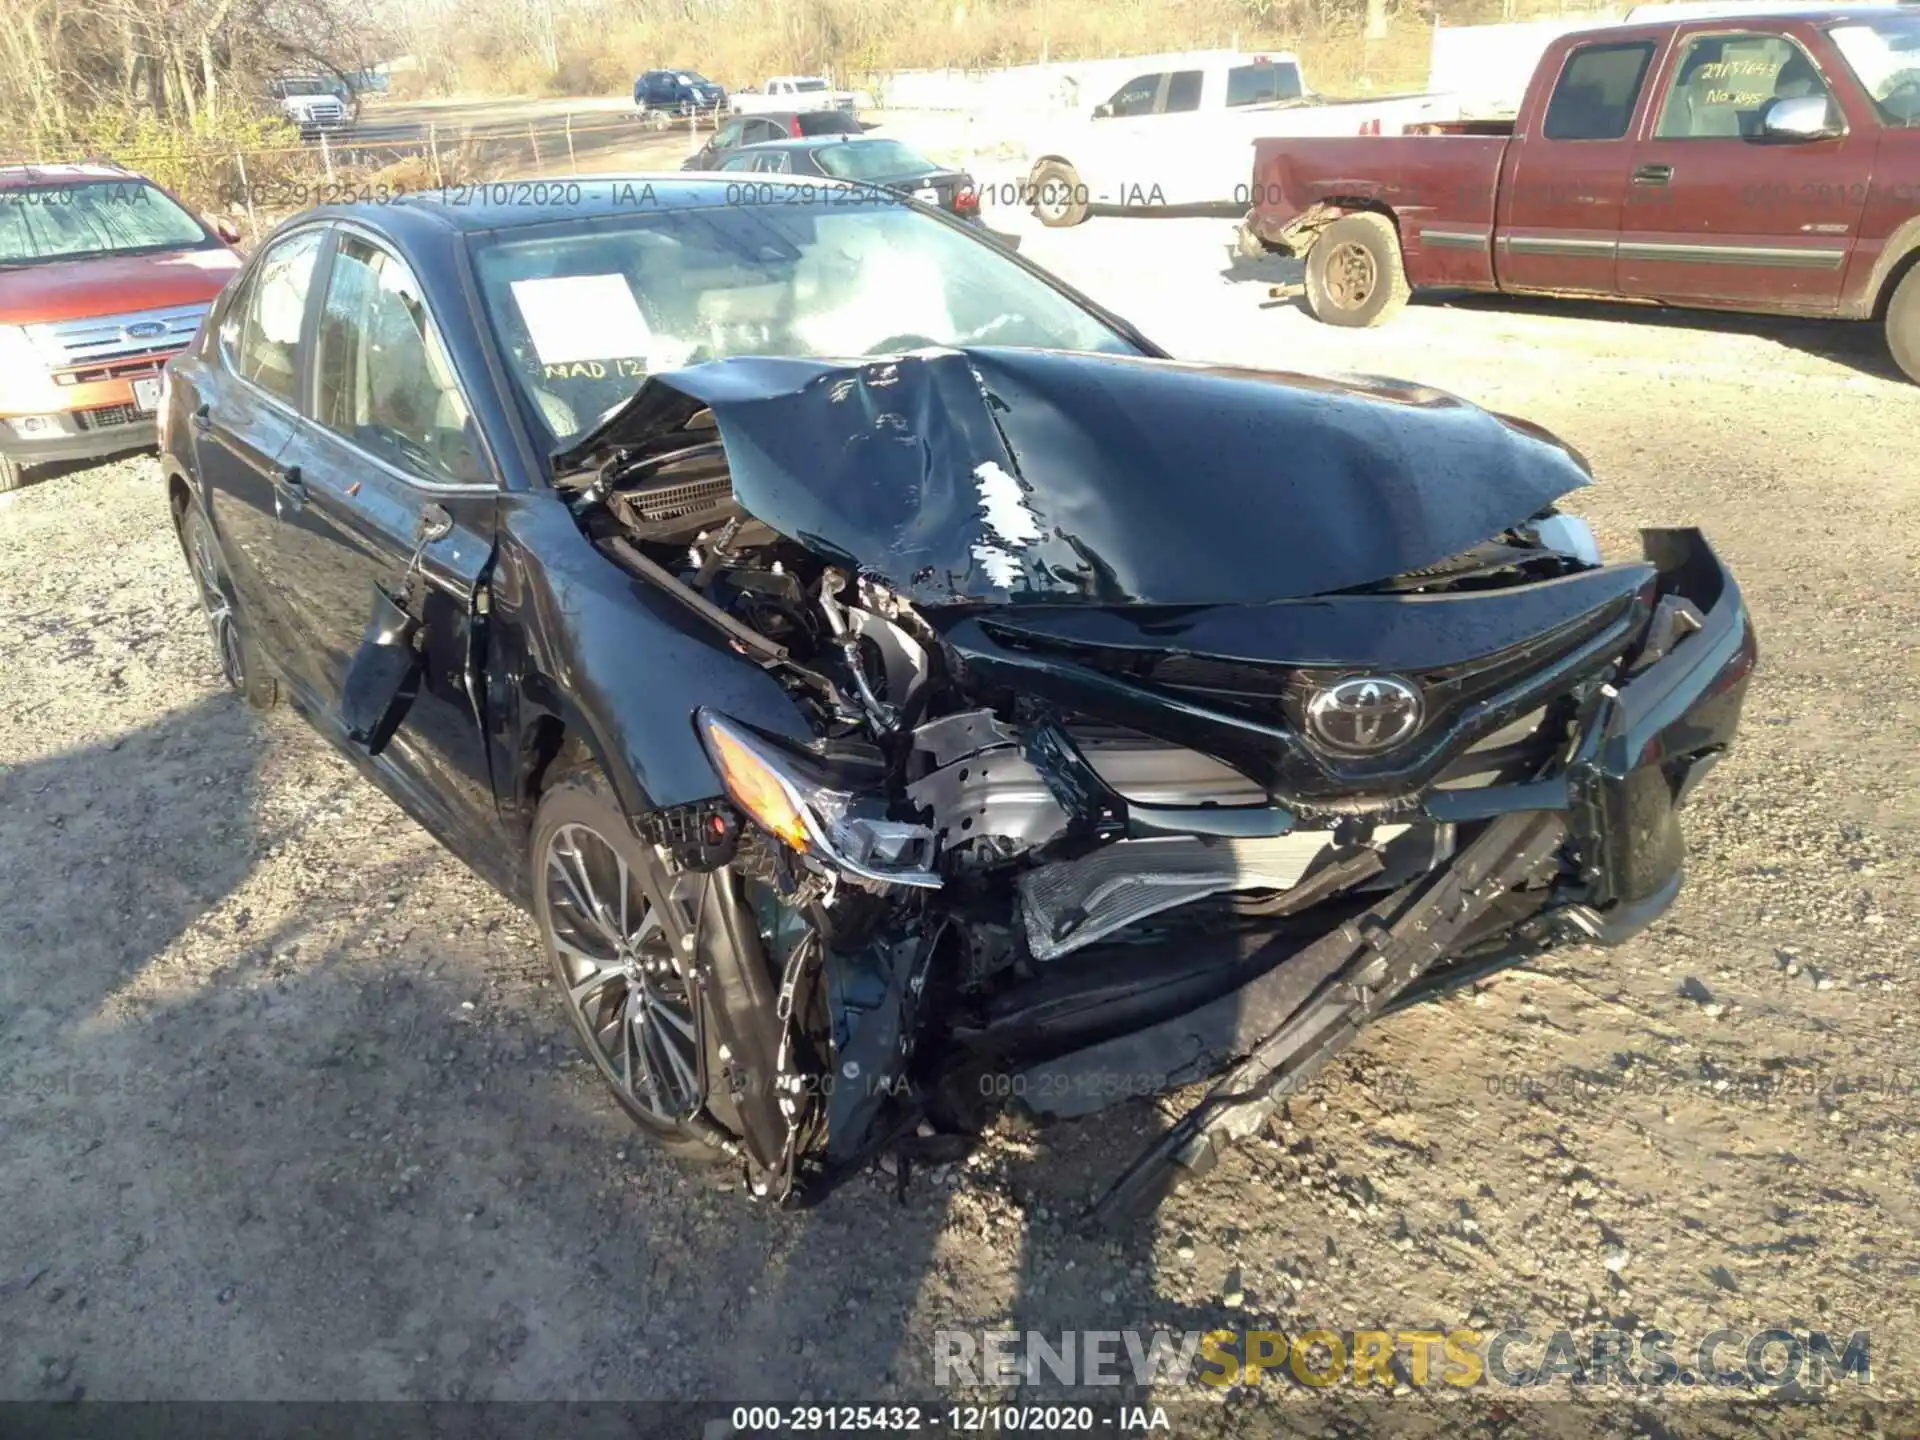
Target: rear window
(1262, 84)
(871, 160)
(828, 122)
(40, 223)
(1597, 91)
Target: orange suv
(104, 277)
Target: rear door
(246, 420)
(1564, 180)
(1730, 216)
(391, 443)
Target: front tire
(245, 670)
(12, 474)
(1903, 326)
(625, 990)
(1060, 199)
(1355, 276)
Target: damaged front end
(1165, 721)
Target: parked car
(898, 688)
(744, 130)
(1177, 139)
(665, 95)
(103, 276)
(315, 105)
(867, 161)
(1759, 163)
(795, 92)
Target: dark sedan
(896, 688)
(868, 160)
(765, 127)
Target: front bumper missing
(1597, 840)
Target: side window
(756, 131)
(1261, 84)
(266, 348)
(728, 135)
(1597, 90)
(385, 382)
(776, 162)
(1183, 92)
(1724, 84)
(1136, 97)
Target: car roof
(13, 177)
(821, 142)
(1682, 10)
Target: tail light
(966, 200)
(1370, 127)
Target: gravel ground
(290, 1111)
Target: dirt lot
(289, 1110)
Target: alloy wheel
(621, 975)
(204, 562)
(1351, 276)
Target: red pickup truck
(1765, 162)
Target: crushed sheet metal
(1074, 903)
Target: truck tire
(12, 474)
(1059, 196)
(1354, 274)
(1903, 325)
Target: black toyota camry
(899, 690)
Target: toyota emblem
(1364, 715)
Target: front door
(245, 421)
(1106, 156)
(1731, 216)
(392, 443)
(1563, 184)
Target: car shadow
(1859, 346)
(345, 1146)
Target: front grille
(107, 416)
(119, 370)
(100, 340)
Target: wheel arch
(1900, 256)
(1304, 230)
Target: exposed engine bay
(1043, 805)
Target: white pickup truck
(1182, 137)
(793, 92)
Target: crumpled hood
(1005, 475)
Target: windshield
(1884, 55)
(40, 223)
(586, 311)
(809, 85)
(305, 87)
(871, 160)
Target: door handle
(1653, 175)
(203, 417)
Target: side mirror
(1801, 118)
(226, 230)
(1103, 111)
